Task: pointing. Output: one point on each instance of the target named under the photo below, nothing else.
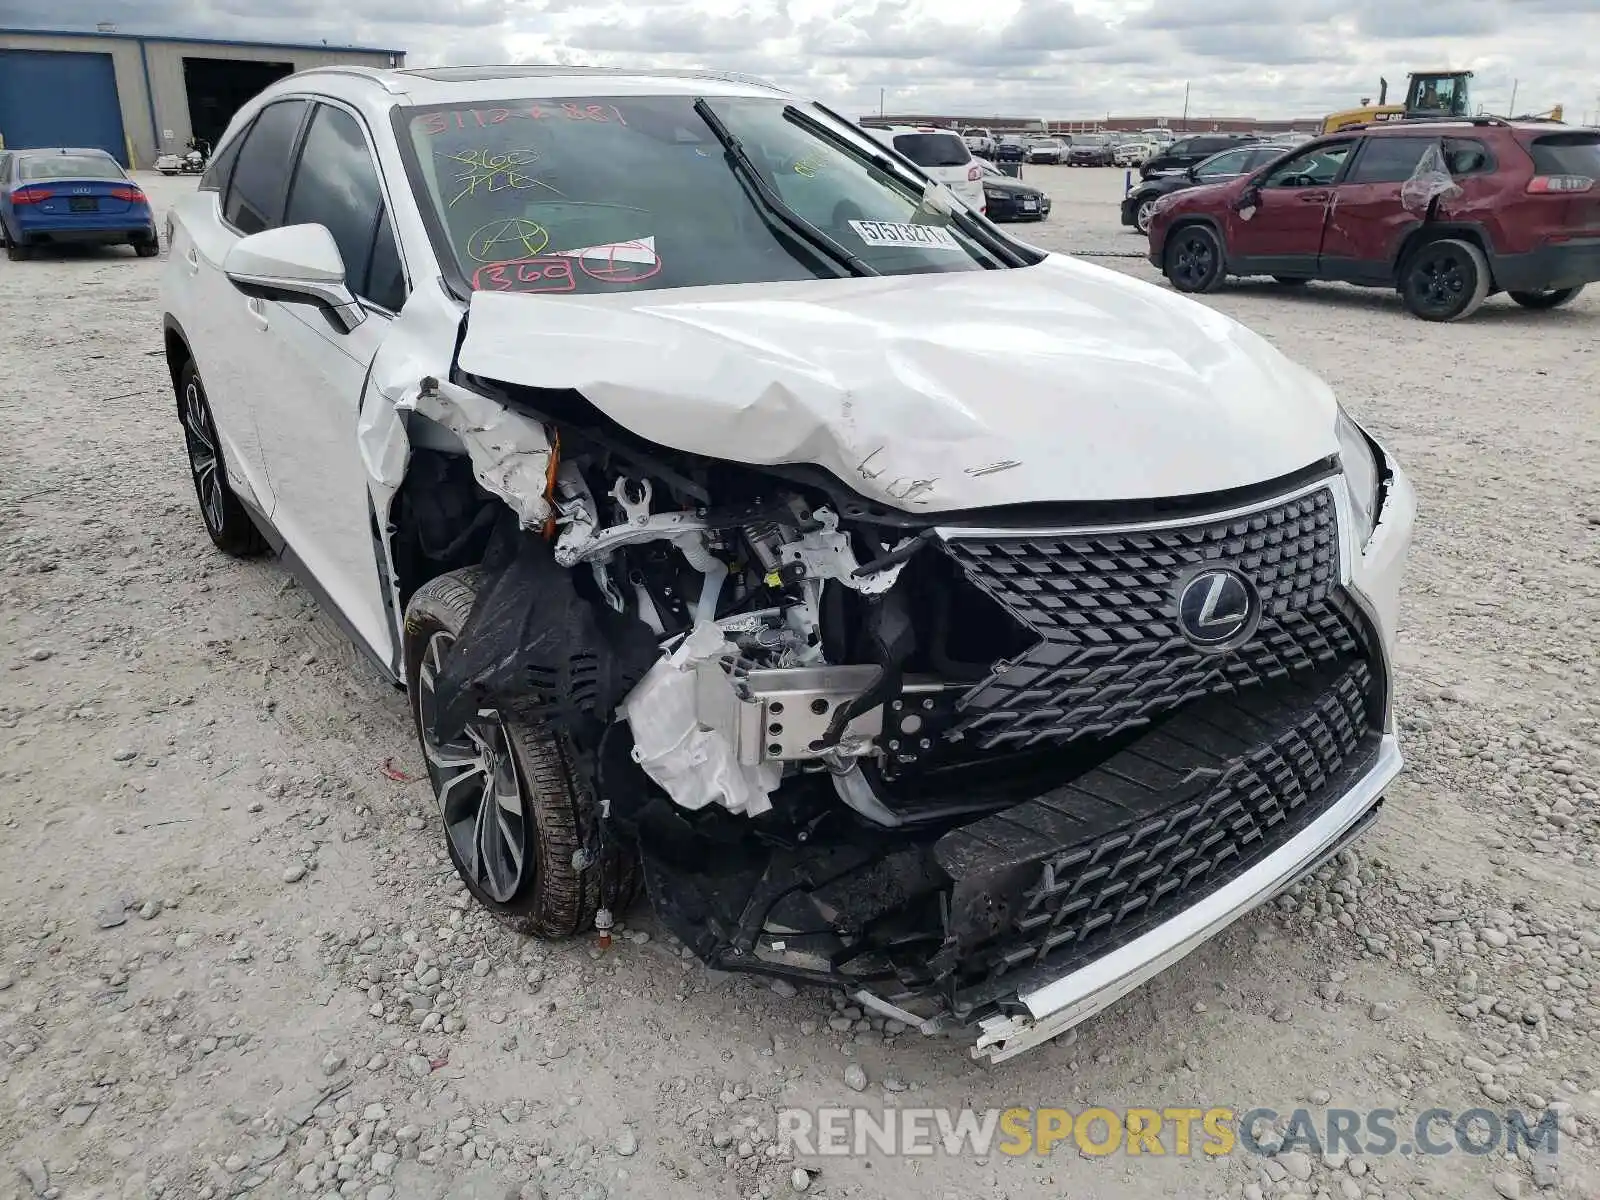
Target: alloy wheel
(478, 787)
(1196, 260)
(201, 437)
(1143, 213)
(1439, 280)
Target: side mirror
(295, 262)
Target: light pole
(1186, 106)
(880, 101)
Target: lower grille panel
(1064, 878)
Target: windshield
(1089, 139)
(69, 166)
(608, 193)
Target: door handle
(193, 260)
(257, 314)
(1315, 197)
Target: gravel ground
(233, 957)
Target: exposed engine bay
(925, 762)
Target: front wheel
(1550, 298)
(226, 521)
(1192, 261)
(1445, 280)
(513, 807)
(1142, 215)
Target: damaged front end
(942, 763)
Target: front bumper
(1058, 1006)
(1371, 575)
(1554, 265)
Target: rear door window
(1567, 154)
(261, 174)
(336, 186)
(220, 168)
(1389, 159)
(933, 149)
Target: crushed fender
(511, 454)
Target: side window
(1466, 156)
(220, 168)
(1314, 168)
(386, 279)
(1222, 166)
(1262, 156)
(261, 172)
(1389, 159)
(336, 185)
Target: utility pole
(1513, 111)
(880, 101)
(1186, 106)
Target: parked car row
(1447, 213)
(1140, 202)
(796, 612)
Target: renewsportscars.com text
(1177, 1131)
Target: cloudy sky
(1055, 58)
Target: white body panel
(915, 390)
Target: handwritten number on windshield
(436, 123)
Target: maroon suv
(1447, 212)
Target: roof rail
(559, 69)
(378, 75)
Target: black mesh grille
(1110, 657)
(1154, 828)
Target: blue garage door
(52, 98)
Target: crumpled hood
(1059, 382)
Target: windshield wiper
(974, 228)
(768, 203)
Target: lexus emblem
(1217, 608)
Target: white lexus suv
(909, 610)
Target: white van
(942, 154)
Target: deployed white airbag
(694, 765)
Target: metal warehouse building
(139, 96)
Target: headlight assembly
(1361, 472)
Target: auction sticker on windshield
(893, 233)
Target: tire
(1192, 260)
(1444, 280)
(1552, 298)
(18, 251)
(1291, 280)
(147, 249)
(1142, 215)
(231, 529)
(525, 775)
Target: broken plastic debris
(390, 771)
(1430, 181)
(510, 453)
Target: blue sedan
(64, 195)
